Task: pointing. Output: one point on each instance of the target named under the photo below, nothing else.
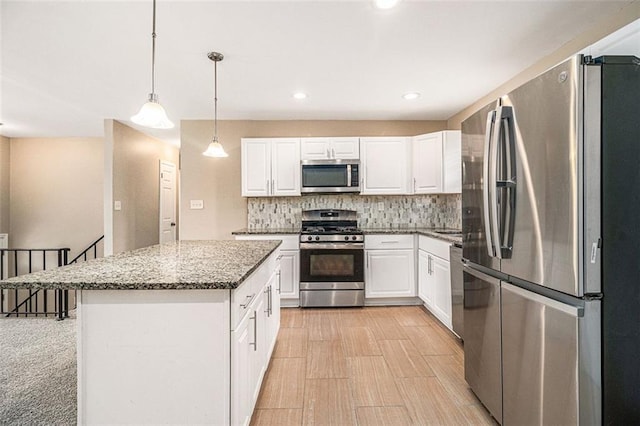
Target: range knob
(354, 238)
(309, 238)
(346, 238)
(317, 238)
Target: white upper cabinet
(437, 163)
(270, 167)
(386, 165)
(330, 148)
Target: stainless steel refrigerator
(551, 246)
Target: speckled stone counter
(266, 231)
(448, 234)
(179, 265)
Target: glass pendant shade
(152, 115)
(215, 149)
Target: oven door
(331, 265)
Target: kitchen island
(174, 333)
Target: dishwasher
(457, 289)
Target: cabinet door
(241, 355)
(290, 274)
(441, 290)
(345, 148)
(315, 148)
(386, 165)
(425, 286)
(427, 163)
(258, 361)
(256, 167)
(452, 162)
(285, 167)
(390, 273)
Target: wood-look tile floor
(366, 366)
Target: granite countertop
(429, 232)
(177, 265)
(263, 231)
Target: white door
(167, 202)
(389, 273)
(289, 270)
(256, 167)
(386, 162)
(441, 290)
(424, 290)
(285, 167)
(315, 149)
(427, 163)
(345, 148)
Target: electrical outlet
(196, 204)
(381, 206)
(117, 205)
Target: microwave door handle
(349, 175)
(486, 165)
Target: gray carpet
(37, 371)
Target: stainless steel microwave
(325, 176)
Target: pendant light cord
(215, 101)
(153, 52)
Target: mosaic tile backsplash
(438, 211)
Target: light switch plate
(117, 205)
(196, 204)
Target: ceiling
(66, 66)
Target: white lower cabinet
(389, 266)
(252, 343)
(434, 278)
(289, 264)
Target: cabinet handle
(429, 270)
(279, 282)
(270, 300)
(328, 153)
(333, 152)
(247, 302)
(267, 291)
(273, 184)
(390, 242)
(268, 186)
(255, 331)
(414, 184)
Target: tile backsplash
(374, 211)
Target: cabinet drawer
(250, 289)
(388, 242)
(434, 246)
(289, 242)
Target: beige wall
(55, 193)
(4, 184)
(598, 31)
(217, 181)
(132, 176)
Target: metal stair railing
(37, 302)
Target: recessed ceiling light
(411, 96)
(300, 95)
(386, 4)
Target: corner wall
(132, 176)
(4, 184)
(217, 181)
(55, 192)
(601, 29)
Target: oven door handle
(331, 246)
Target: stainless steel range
(331, 259)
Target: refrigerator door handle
(507, 183)
(486, 187)
(492, 183)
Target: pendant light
(215, 148)
(152, 114)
